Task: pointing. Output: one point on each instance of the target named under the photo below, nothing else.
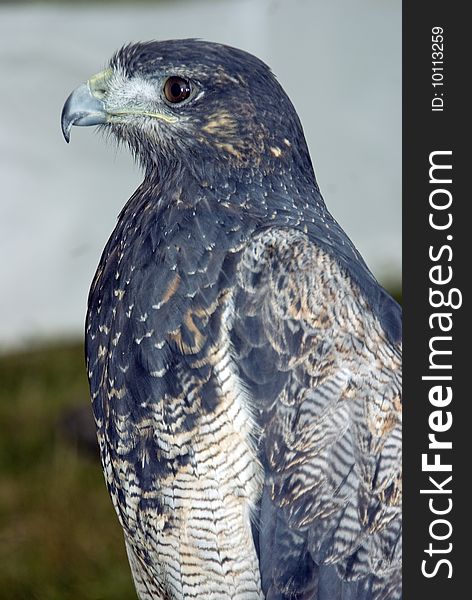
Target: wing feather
(326, 379)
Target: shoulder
(307, 280)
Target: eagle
(244, 363)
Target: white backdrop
(339, 61)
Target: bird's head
(190, 102)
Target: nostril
(98, 84)
(99, 92)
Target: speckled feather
(244, 364)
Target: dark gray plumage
(244, 364)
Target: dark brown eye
(176, 89)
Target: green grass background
(59, 537)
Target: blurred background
(340, 63)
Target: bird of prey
(244, 364)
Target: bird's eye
(177, 89)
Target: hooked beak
(85, 105)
